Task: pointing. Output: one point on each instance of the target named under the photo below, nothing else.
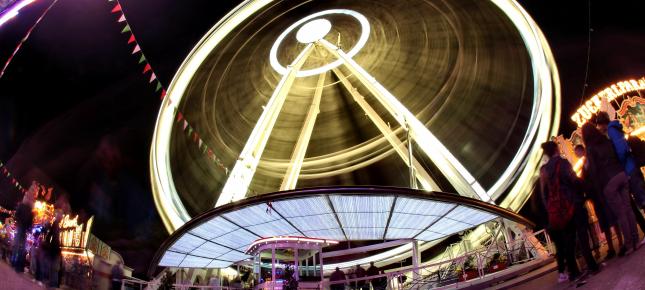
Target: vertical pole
(273, 267)
(307, 266)
(413, 179)
(322, 275)
(415, 260)
(314, 263)
(296, 269)
(257, 266)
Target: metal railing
(497, 256)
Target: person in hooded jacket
(605, 168)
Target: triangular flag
(180, 116)
(210, 153)
(158, 87)
(122, 18)
(200, 143)
(152, 77)
(190, 130)
(126, 29)
(131, 40)
(116, 8)
(195, 137)
(136, 49)
(142, 58)
(163, 95)
(185, 124)
(146, 68)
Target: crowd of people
(337, 276)
(611, 178)
(44, 252)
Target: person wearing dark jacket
(614, 130)
(52, 251)
(605, 168)
(360, 273)
(377, 283)
(24, 221)
(563, 238)
(336, 276)
(603, 214)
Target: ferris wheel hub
(313, 30)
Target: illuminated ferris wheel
(444, 96)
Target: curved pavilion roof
(219, 237)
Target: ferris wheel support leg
(421, 174)
(238, 182)
(293, 171)
(454, 171)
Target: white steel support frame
(454, 171)
(293, 171)
(426, 181)
(239, 180)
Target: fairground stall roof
(220, 237)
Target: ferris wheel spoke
(454, 171)
(293, 170)
(238, 182)
(420, 173)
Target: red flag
(163, 94)
(136, 49)
(116, 8)
(131, 40)
(180, 116)
(152, 77)
(195, 136)
(146, 68)
(210, 153)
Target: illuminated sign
(73, 234)
(611, 93)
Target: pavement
(618, 273)
(10, 280)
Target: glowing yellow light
(593, 105)
(638, 131)
(362, 40)
(578, 166)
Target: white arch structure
(517, 178)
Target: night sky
(77, 114)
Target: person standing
(52, 251)
(117, 276)
(603, 213)
(337, 275)
(605, 168)
(558, 187)
(581, 222)
(360, 273)
(377, 283)
(614, 131)
(24, 221)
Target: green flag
(142, 58)
(126, 29)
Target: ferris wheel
(452, 96)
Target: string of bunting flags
(151, 76)
(12, 179)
